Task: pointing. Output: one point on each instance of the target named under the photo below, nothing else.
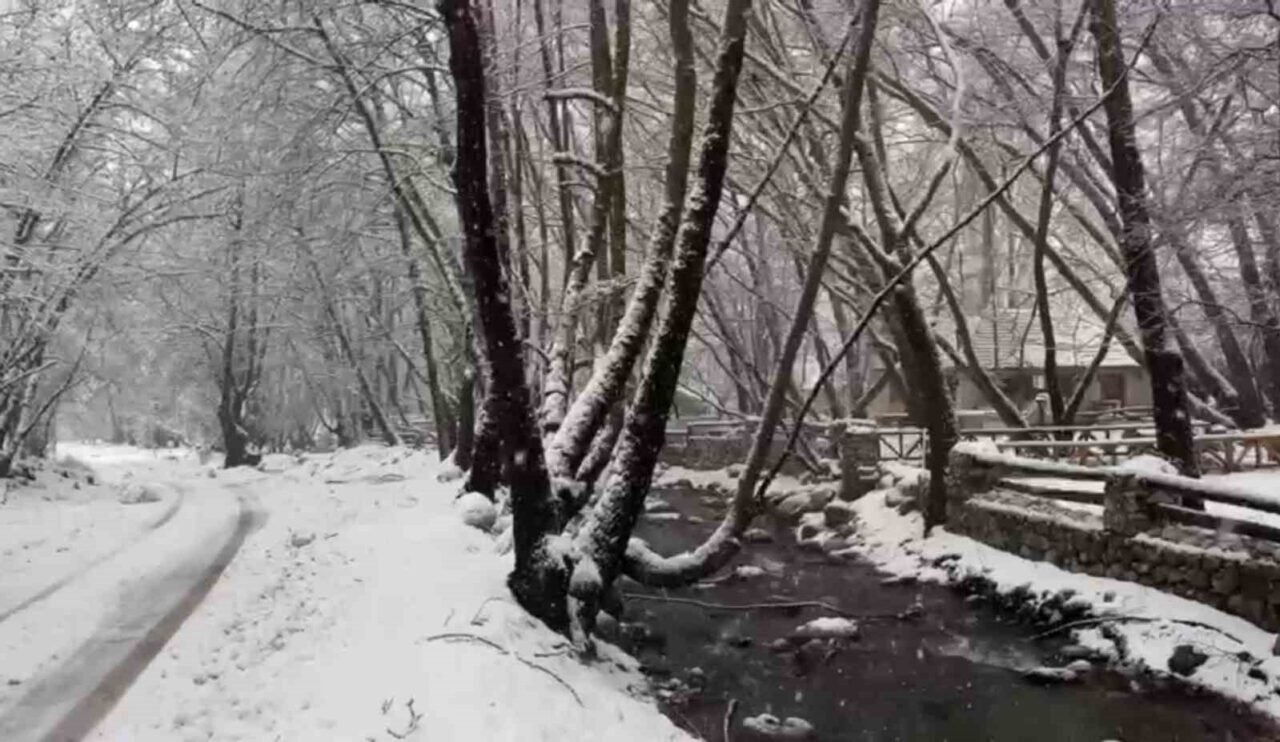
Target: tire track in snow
(67, 579)
(124, 649)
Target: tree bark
(608, 381)
(539, 578)
(725, 542)
(1164, 362)
(606, 534)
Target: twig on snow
(475, 620)
(463, 636)
(728, 719)
(1131, 619)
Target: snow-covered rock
(828, 627)
(449, 472)
(1186, 659)
(793, 506)
(136, 494)
(1080, 666)
(768, 726)
(477, 510)
(1051, 675)
(837, 513)
(657, 505)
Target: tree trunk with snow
(1164, 362)
(604, 538)
(605, 388)
(539, 578)
(724, 543)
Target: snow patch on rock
(828, 627)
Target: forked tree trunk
(604, 538)
(725, 542)
(608, 381)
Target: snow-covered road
(89, 624)
(359, 606)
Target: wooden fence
(1158, 496)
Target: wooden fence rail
(1161, 495)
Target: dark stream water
(950, 676)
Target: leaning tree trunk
(1164, 362)
(605, 537)
(605, 388)
(539, 579)
(725, 542)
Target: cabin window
(1111, 386)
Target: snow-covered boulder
(1051, 675)
(449, 472)
(828, 627)
(658, 505)
(477, 511)
(768, 726)
(900, 501)
(837, 513)
(135, 494)
(793, 506)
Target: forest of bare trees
(532, 233)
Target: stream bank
(929, 665)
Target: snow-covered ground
(362, 608)
(895, 543)
(60, 524)
(76, 616)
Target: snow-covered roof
(1011, 338)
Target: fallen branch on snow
(462, 636)
(1130, 619)
(728, 719)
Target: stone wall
(710, 452)
(1236, 574)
